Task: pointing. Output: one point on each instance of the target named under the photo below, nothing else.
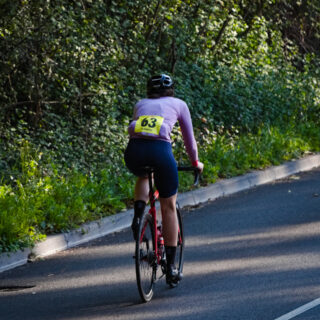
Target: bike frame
(155, 256)
(153, 196)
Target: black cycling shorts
(158, 154)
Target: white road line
(300, 310)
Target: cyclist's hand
(200, 166)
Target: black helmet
(159, 82)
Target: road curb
(121, 221)
(13, 260)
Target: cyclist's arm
(185, 123)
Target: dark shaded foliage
(71, 71)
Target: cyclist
(150, 145)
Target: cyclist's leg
(134, 158)
(170, 234)
(169, 220)
(140, 201)
(141, 191)
(166, 181)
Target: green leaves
(71, 72)
(41, 203)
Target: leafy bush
(72, 71)
(41, 203)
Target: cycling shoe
(173, 276)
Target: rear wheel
(146, 265)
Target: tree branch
(221, 31)
(149, 30)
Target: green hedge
(71, 71)
(44, 203)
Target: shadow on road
(244, 254)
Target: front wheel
(146, 264)
(180, 244)
(179, 251)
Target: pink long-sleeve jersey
(155, 118)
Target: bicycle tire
(180, 244)
(146, 266)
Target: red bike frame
(153, 196)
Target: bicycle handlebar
(196, 173)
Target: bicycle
(150, 251)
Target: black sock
(139, 207)
(171, 255)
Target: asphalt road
(253, 255)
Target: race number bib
(149, 124)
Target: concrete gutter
(121, 221)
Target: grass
(41, 201)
